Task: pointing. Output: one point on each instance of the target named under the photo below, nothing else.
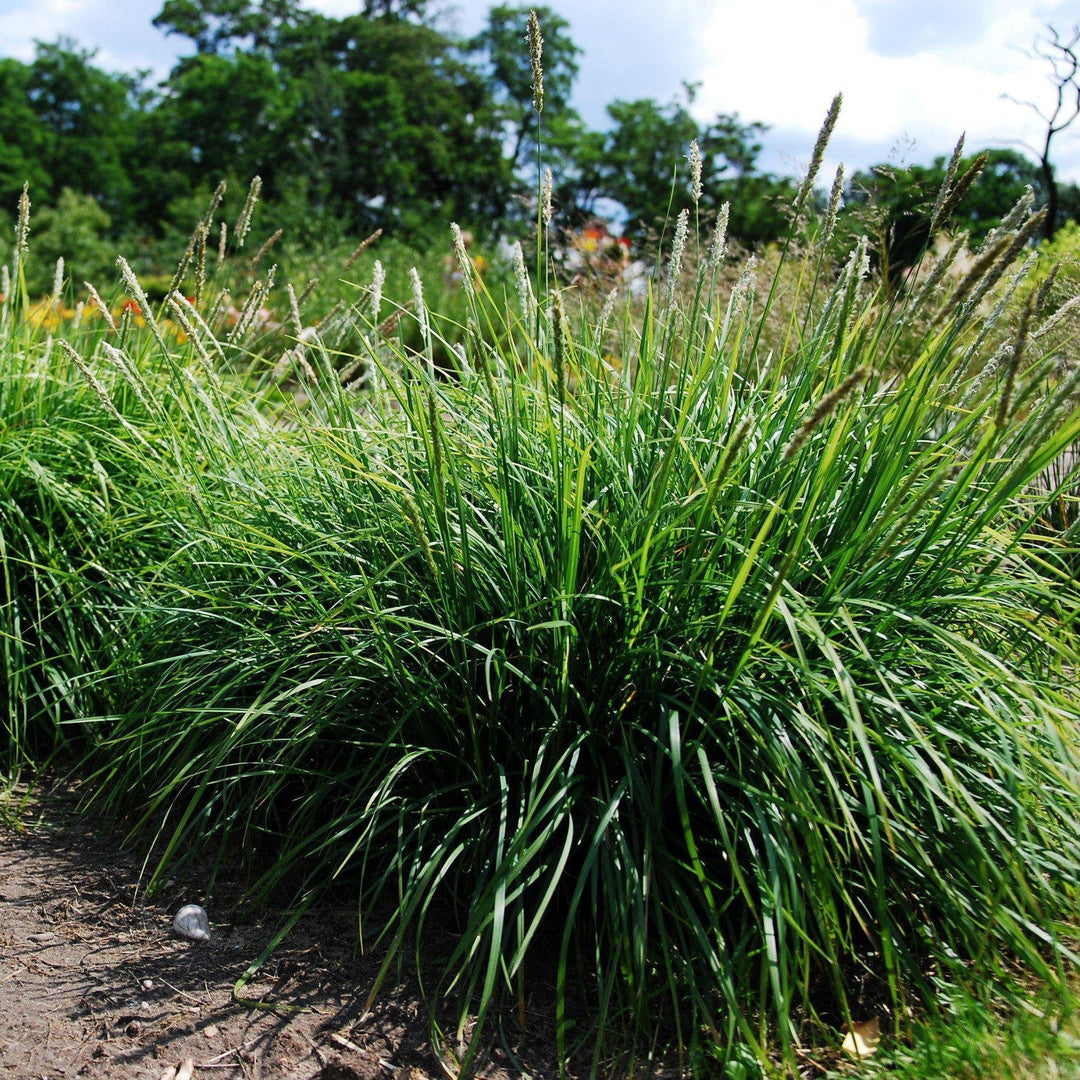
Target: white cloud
(22, 23)
(787, 77)
(906, 27)
(119, 30)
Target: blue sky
(915, 74)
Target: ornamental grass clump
(707, 694)
(684, 678)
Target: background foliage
(383, 119)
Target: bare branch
(1063, 57)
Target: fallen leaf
(861, 1041)
(340, 1039)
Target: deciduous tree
(91, 118)
(635, 164)
(25, 140)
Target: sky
(915, 74)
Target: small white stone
(192, 922)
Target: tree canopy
(384, 119)
(893, 205)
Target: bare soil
(94, 983)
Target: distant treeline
(384, 120)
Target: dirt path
(93, 982)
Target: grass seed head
(461, 354)
(1015, 244)
(1001, 418)
(417, 285)
(58, 280)
(536, 56)
(137, 293)
(1043, 295)
(718, 241)
(243, 222)
(306, 292)
(858, 264)
(422, 317)
(559, 320)
(22, 230)
(100, 391)
(949, 204)
(361, 248)
(130, 373)
(818, 154)
(271, 241)
(1019, 211)
(462, 256)
(836, 199)
(678, 245)
(294, 310)
(734, 444)
(299, 358)
(742, 295)
(521, 279)
(416, 521)
(436, 446)
(185, 260)
(200, 260)
(197, 331)
(132, 282)
(946, 184)
(378, 280)
(608, 308)
(985, 377)
(940, 269)
(247, 312)
(694, 159)
(1055, 318)
(212, 208)
(825, 408)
